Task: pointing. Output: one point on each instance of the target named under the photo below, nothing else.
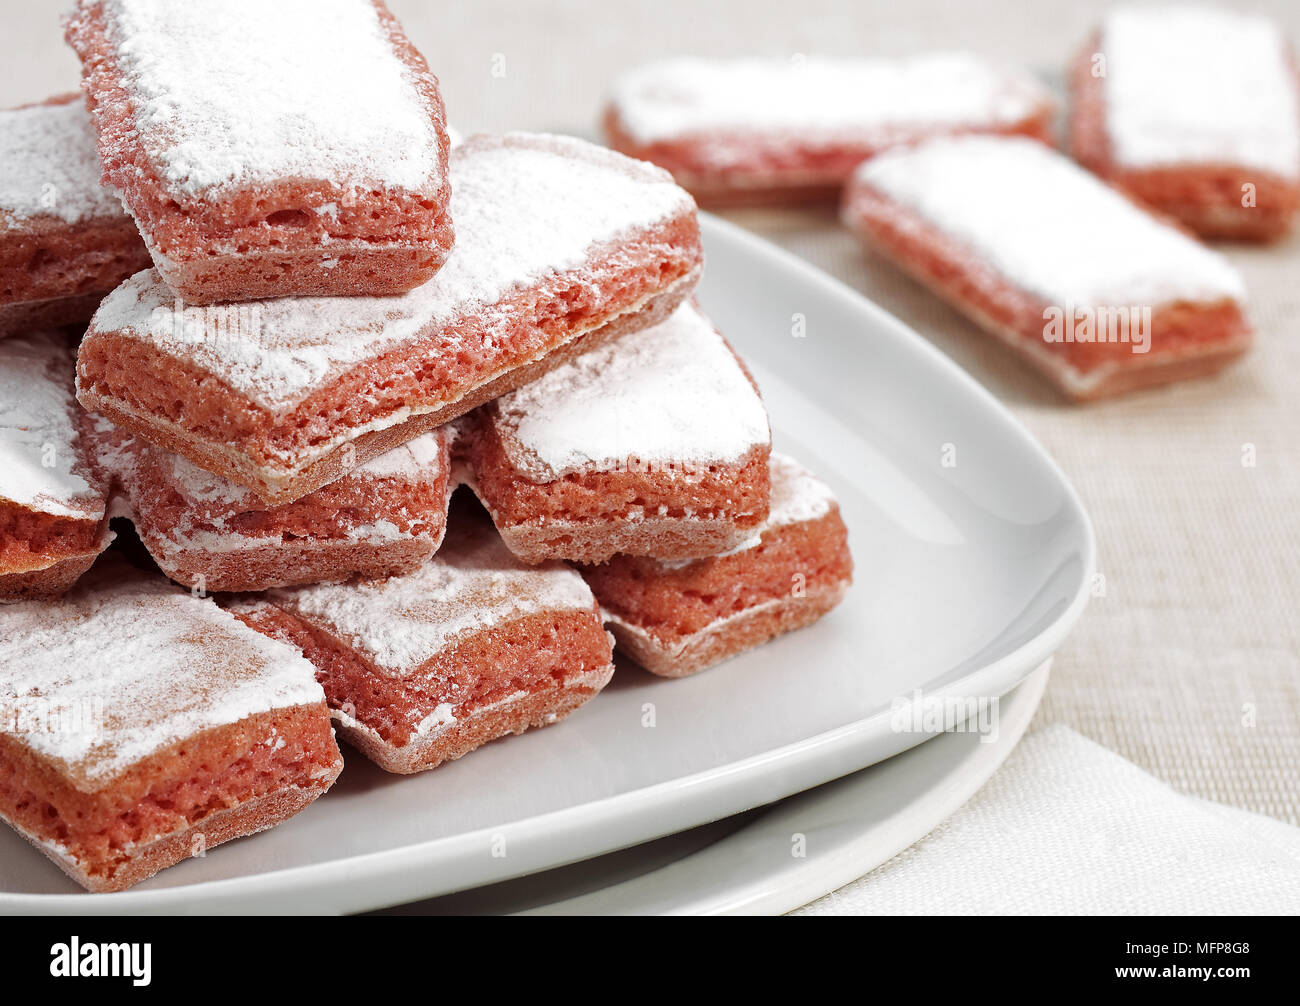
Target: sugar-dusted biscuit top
(65, 240)
(232, 94)
(798, 496)
(143, 664)
(527, 207)
(1199, 85)
(655, 443)
(267, 150)
(817, 98)
(43, 462)
(1047, 225)
(671, 394)
(472, 585)
(51, 168)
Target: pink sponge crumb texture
(679, 618)
(53, 519)
(222, 784)
(64, 241)
(526, 674)
(285, 404)
(653, 444)
(905, 205)
(590, 516)
(178, 729)
(383, 519)
(305, 234)
(424, 668)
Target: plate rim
(970, 765)
(342, 885)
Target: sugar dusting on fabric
(1049, 226)
(673, 393)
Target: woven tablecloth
(1189, 665)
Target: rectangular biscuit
(140, 726)
(654, 444)
(1086, 285)
(382, 519)
(473, 646)
(1195, 112)
(53, 501)
(748, 131)
(270, 149)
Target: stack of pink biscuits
(345, 320)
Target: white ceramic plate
(744, 865)
(973, 557)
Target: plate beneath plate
(745, 865)
(973, 557)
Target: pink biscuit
(758, 131)
(472, 647)
(562, 245)
(654, 444)
(270, 149)
(1218, 151)
(678, 618)
(53, 517)
(140, 726)
(1080, 281)
(64, 241)
(385, 518)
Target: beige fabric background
(1190, 664)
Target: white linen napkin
(1066, 826)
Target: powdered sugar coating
(1049, 226)
(407, 461)
(798, 497)
(526, 207)
(50, 165)
(144, 664)
(819, 98)
(41, 455)
(471, 585)
(1195, 84)
(229, 94)
(173, 544)
(411, 461)
(670, 393)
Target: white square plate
(974, 559)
